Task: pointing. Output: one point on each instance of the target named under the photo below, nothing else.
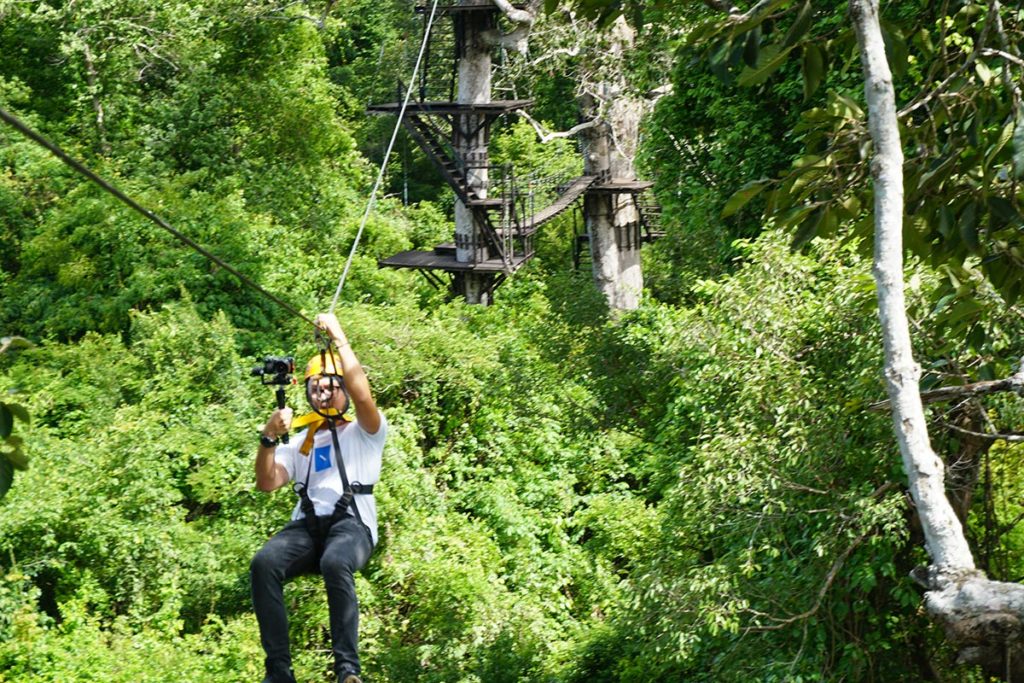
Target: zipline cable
(387, 155)
(31, 134)
(76, 165)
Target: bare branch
(1007, 78)
(92, 79)
(518, 16)
(830, 578)
(923, 99)
(1012, 438)
(685, 149)
(547, 136)
(513, 40)
(735, 16)
(547, 55)
(722, 6)
(656, 94)
(991, 52)
(1013, 383)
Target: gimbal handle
(280, 404)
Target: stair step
(486, 202)
(447, 249)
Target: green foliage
(14, 458)
(690, 491)
(960, 136)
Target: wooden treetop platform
(495, 107)
(433, 260)
(466, 6)
(622, 186)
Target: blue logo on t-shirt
(322, 458)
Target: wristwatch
(267, 442)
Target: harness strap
(341, 507)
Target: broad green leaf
(945, 225)
(1005, 135)
(1003, 213)
(6, 421)
(1018, 146)
(914, 230)
(808, 228)
(813, 68)
(841, 105)
(6, 476)
(751, 47)
(923, 40)
(719, 59)
(764, 12)
(800, 24)
(939, 172)
(16, 457)
(998, 270)
(941, 304)
(770, 59)
(702, 32)
(976, 337)
(984, 73)
(742, 196)
(969, 228)
(829, 221)
(966, 308)
(895, 48)
(1012, 293)
(19, 412)
(796, 215)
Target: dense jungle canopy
(705, 488)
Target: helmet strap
(340, 383)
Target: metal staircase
(506, 211)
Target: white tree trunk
(474, 87)
(982, 617)
(612, 219)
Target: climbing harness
(319, 526)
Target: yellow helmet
(316, 365)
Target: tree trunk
(470, 143)
(612, 220)
(982, 618)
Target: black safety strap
(309, 514)
(348, 491)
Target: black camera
(275, 370)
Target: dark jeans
(290, 553)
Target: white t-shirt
(362, 454)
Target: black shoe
(279, 676)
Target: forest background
(699, 489)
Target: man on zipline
(334, 464)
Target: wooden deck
(494, 107)
(444, 260)
(466, 7)
(623, 186)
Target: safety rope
(78, 166)
(387, 155)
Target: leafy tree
(15, 458)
